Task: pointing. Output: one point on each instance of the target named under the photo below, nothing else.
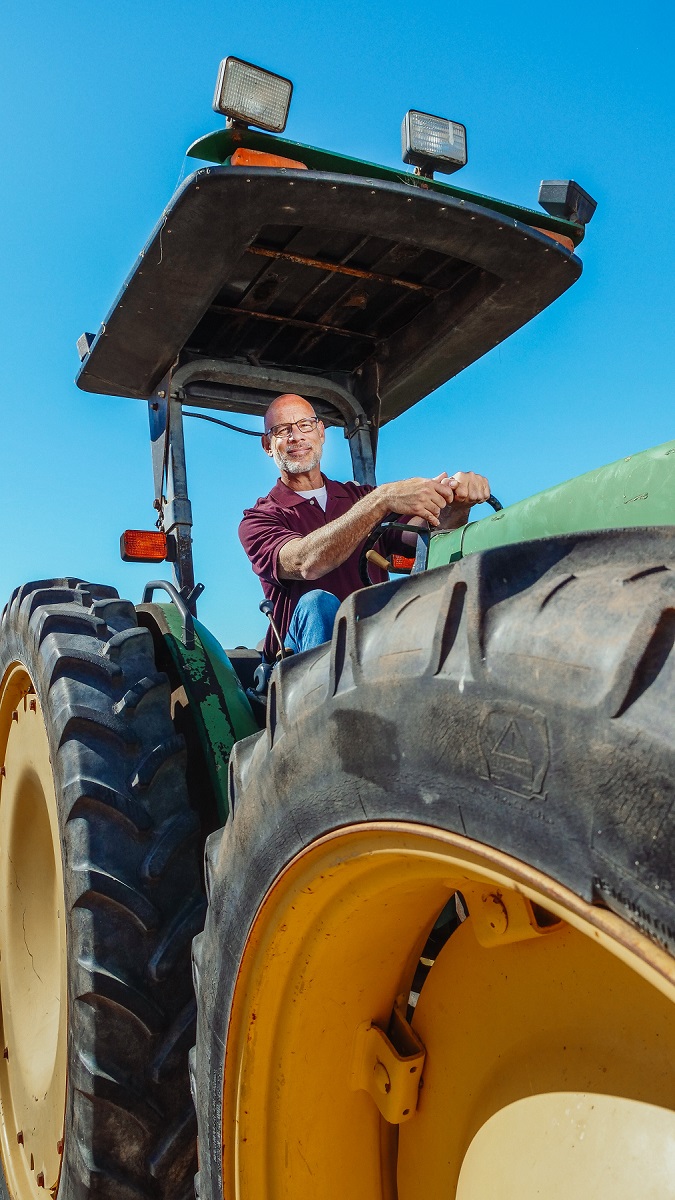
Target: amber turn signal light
(399, 562)
(258, 158)
(143, 545)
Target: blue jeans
(312, 621)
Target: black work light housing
(564, 198)
(433, 143)
(250, 96)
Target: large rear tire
(101, 896)
(506, 723)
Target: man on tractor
(311, 528)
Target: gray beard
(292, 466)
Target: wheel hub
(536, 991)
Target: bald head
(286, 408)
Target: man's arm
(324, 549)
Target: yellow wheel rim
(334, 947)
(33, 983)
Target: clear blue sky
(98, 103)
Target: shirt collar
(285, 497)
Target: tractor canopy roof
(341, 279)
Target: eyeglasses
(306, 425)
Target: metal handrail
(163, 585)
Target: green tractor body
(439, 950)
(634, 492)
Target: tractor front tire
(100, 897)
(506, 720)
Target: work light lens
(84, 344)
(143, 545)
(433, 142)
(255, 97)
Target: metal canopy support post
(171, 494)
(214, 383)
(361, 450)
(363, 463)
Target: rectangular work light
(433, 143)
(564, 198)
(84, 344)
(143, 545)
(252, 96)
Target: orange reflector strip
(143, 545)
(257, 158)
(400, 563)
(557, 237)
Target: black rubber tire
(522, 697)
(134, 899)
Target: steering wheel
(390, 520)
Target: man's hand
(418, 497)
(469, 489)
(448, 498)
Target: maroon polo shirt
(282, 516)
